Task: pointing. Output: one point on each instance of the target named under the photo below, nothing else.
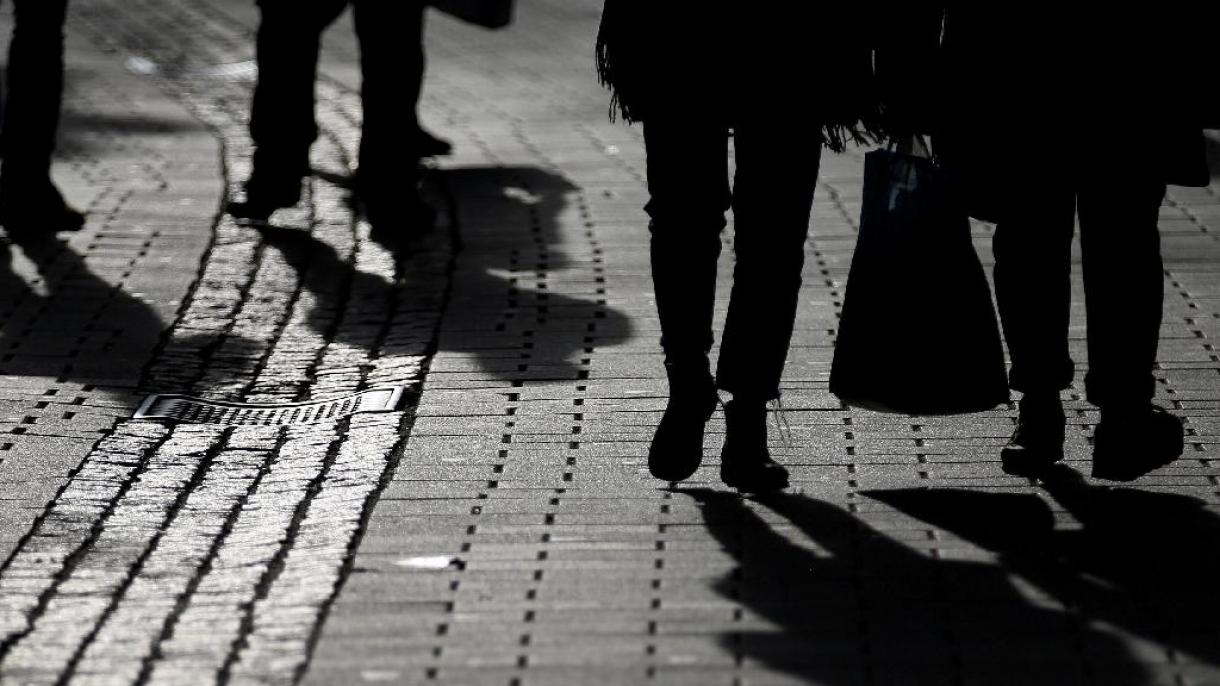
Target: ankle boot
(677, 445)
(745, 461)
(1131, 441)
(1037, 442)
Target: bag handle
(915, 145)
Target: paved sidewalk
(502, 528)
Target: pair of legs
(771, 196)
(282, 123)
(34, 94)
(1123, 284)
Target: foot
(40, 209)
(429, 145)
(1130, 442)
(677, 446)
(745, 461)
(393, 221)
(1037, 442)
(264, 197)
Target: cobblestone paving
(194, 554)
(504, 529)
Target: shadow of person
(528, 300)
(1141, 561)
(830, 600)
(520, 305)
(67, 322)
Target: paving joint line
(183, 600)
(201, 470)
(278, 563)
(72, 559)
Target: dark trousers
(282, 122)
(771, 195)
(34, 92)
(1123, 284)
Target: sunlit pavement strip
(190, 554)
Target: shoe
(1130, 442)
(40, 208)
(677, 446)
(264, 197)
(429, 145)
(396, 219)
(745, 461)
(1037, 442)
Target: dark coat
(1011, 90)
(775, 60)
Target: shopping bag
(491, 14)
(918, 332)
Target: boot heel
(745, 461)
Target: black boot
(745, 461)
(1131, 441)
(1037, 442)
(677, 446)
(36, 207)
(266, 193)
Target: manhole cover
(184, 408)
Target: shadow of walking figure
(1142, 561)
(73, 324)
(522, 249)
(505, 306)
(831, 600)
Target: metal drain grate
(184, 408)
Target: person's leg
(1124, 290)
(28, 198)
(391, 62)
(777, 171)
(1033, 283)
(282, 124)
(689, 194)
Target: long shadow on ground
(832, 600)
(1145, 562)
(504, 309)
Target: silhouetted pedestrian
(1076, 128)
(695, 74)
(29, 200)
(282, 122)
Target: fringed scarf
(734, 62)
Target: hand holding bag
(918, 333)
